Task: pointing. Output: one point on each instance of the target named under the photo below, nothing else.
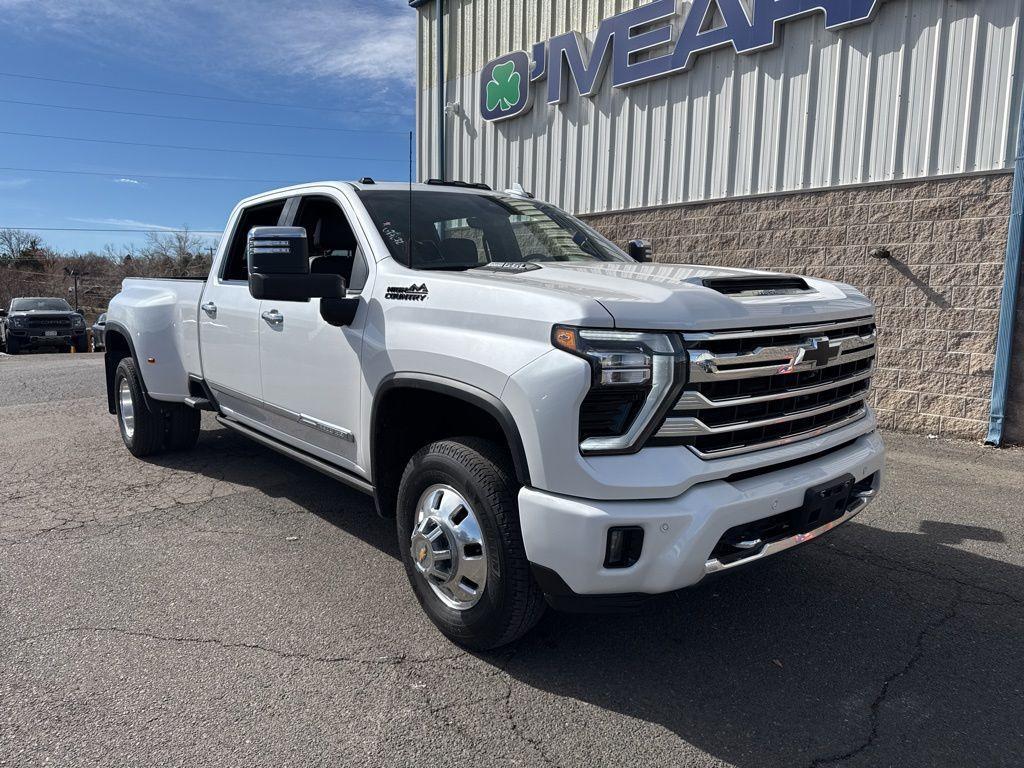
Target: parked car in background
(97, 332)
(42, 323)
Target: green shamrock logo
(503, 91)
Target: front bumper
(32, 337)
(567, 536)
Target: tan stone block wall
(937, 297)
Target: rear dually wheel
(142, 427)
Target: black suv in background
(33, 323)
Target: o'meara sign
(624, 44)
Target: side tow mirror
(640, 250)
(3, 313)
(279, 267)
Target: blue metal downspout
(1008, 306)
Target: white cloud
(330, 40)
(377, 43)
(136, 224)
(14, 183)
(124, 223)
(127, 181)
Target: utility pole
(75, 274)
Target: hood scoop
(513, 267)
(758, 285)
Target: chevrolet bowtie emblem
(819, 350)
(422, 555)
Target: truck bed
(161, 317)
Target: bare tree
(18, 244)
(29, 268)
(182, 253)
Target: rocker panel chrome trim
(310, 461)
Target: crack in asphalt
(878, 560)
(917, 652)
(395, 660)
(510, 718)
(875, 559)
(160, 517)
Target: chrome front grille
(756, 389)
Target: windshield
(50, 305)
(463, 231)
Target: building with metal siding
(898, 132)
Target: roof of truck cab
(400, 186)
(391, 186)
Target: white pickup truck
(547, 419)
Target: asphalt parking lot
(230, 607)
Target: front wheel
(11, 346)
(461, 544)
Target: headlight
(634, 376)
(78, 321)
(17, 322)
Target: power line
(94, 278)
(201, 119)
(130, 175)
(40, 274)
(182, 95)
(200, 149)
(217, 232)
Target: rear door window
(236, 266)
(333, 246)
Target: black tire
(81, 344)
(183, 424)
(511, 602)
(11, 346)
(147, 436)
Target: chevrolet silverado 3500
(547, 419)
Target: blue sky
(355, 57)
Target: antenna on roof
(409, 235)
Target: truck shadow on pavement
(225, 456)
(869, 647)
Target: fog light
(624, 545)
